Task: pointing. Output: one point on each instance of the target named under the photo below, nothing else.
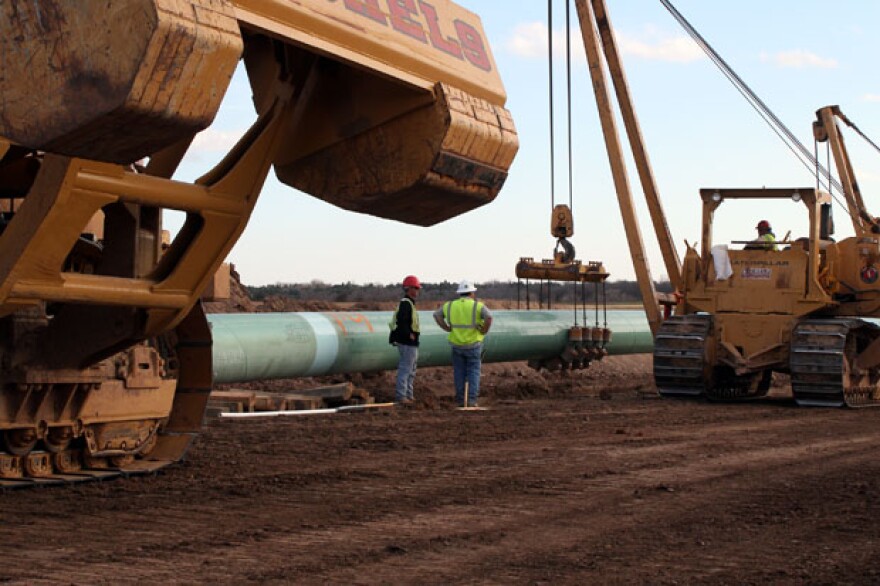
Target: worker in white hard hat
(467, 321)
(404, 334)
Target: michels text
(404, 17)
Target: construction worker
(467, 321)
(766, 239)
(405, 335)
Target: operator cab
(818, 205)
(729, 278)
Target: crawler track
(680, 356)
(822, 352)
(187, 352)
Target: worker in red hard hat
(404, 326)
(766, 239)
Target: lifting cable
(552, 136)
(568, 98)
(550, 70)
(808, 159)
(858, 131)
(566, 245)
(561, 225)
(568, 101)
(568, 118)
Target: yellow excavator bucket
(400, 110)
(405, 121)
(115, 81)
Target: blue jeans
(466, 369)
(406, 372)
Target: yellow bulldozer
(744, 310)
(794, 306)
(394, 109)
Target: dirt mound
(239, 301)
(276, 304)
(435, 389)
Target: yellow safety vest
(769, 241)
(415, 316)
(463, 316)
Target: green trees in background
(616, 291)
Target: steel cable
(800, 151)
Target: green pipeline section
(255, 346)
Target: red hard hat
(763, 224)
(412, 281)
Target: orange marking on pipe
(361, 319)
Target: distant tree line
(559, 293)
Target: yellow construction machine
(393, 109)
(745, 311)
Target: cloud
(215, 141)
(869, 177)
(656, 46)
(799, 59)
(529, 40)
(871, 98)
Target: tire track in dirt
(565, 491)
(642, 479)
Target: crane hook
(567, 255)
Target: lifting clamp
(563, 266)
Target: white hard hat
(466, 287)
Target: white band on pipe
(326, 342)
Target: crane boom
(671, 260)
(743, 313)
(593, 16)
(825, 129)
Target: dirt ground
(561, 481)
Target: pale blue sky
(798, 55)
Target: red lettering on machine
(467, 43)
